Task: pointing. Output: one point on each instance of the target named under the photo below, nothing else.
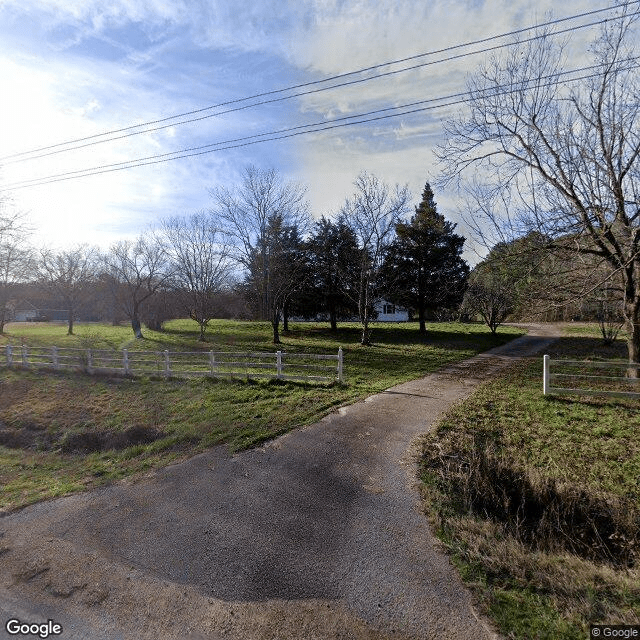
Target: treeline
(256, 253)
(537, 277)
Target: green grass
(50, 413)
(574, 455)
(587, 329)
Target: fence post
(545, 375)
(212, 363)
(125, 361)
(9, 355)
(167, 364)
(54, 357)
(25, 356)
(279, 364)
(340, 363)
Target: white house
(389, 312)
(31, 313)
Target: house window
(389, 309)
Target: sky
(75, 69)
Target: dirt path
(319, 534)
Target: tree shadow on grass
(383, 334)
(587, 347)
(305, 336)
(590, 401)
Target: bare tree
(372, 213)
(558, 156)
(491, 294)
(249, 216)
(201, 267)
(68, 274)
(135, 271)
(609, 316)
(15, 254)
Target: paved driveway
(318, 534)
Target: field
(538, 499)
(65, 432)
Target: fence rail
(575, 371)
(217, 364)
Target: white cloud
(164, 57)
(98, 13)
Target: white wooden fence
(577, 372)
(217, 364)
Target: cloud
(212, 24)
(97, 13)
(74, 68)
(339, 40)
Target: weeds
(538, 500)
(543, 513)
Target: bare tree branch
(201, 268)
(559, 161)
(68, 274)
(135, 271)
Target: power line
(151, 125)
(280, 134)
(371, 116)
(303, 93)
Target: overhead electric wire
(290, 132)
(49, 150)
(303, 93)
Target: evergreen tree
(423, 269)
(276, 270)
(333, 257)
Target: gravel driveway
(318, 534)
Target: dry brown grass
(538, 501)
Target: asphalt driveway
(318, 534)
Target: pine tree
(333, 257)
(277, 271)
(423, 268)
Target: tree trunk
(285, 318)
(364, 312)
(275, 323)
(633, 345)
(2, 319)
(365, 339)
(203, 328)
(135, 322)
(333, 319)
(421, 320)
(137, 327)
(70, 329)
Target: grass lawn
(63, 432)
(538, 499)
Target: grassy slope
(51, 413)
(587, 447)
